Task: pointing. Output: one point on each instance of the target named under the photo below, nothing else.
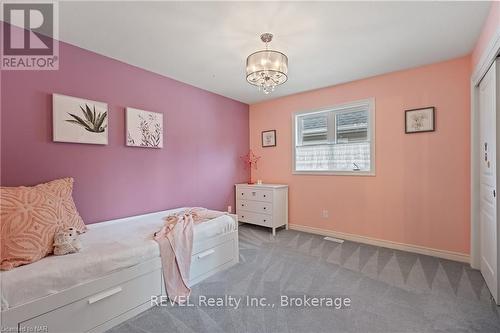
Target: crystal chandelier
(267, 69)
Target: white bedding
(107, 247)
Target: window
(338, 140)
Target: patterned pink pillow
(29, 219)
(64, 189)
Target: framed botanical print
(144, 128)
(269, 138)
(79, 120)
(420, 120)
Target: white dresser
(265, 205)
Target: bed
(112, 278)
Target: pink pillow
(30, 217)
(29, 220)
(64, 189)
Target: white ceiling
(206, 44)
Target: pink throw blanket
(176, 246)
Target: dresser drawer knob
(264, 195)
(264, 208)
(242, 205)
(265, 220)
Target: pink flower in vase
(250, 160)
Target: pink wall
(490, 27)
(199, 164)
(420, 194)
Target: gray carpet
(390, 291)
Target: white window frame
(338, 108)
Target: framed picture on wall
(144, 128)
(420, 120)
(79, 120)
(269, 138)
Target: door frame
(488, 57)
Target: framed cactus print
(79, 120)
(144, 128)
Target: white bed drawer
(255, 206)
(255, 194)
(256, 218)
(89, 312)
(208, 260)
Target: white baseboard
(456, 256)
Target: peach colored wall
(490, 27)
(420, 194)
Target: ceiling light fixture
(267, 69)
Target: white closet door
(488, 101)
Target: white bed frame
(98, 305)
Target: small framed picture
(79, 120)
(144, 128)
(269, 138)
(420, 120)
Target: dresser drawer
(255, 218)
(254, 194)
(87, 313)
(255, 206)
(208, 260)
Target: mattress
(107, 247)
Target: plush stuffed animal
(66, 241)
